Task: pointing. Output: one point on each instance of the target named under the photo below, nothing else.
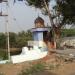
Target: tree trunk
(56, 30)
(51, 44)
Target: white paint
(4, 61)
(28, 55)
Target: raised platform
(26, 55)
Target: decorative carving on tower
(39, 22)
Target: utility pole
(7, 17)
(8, 44)
(8, 7)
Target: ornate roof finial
(39, 22)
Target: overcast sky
(21, 16)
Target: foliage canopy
(67, 9)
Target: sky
(21, 17)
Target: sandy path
(14, 69)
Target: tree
(2, 40)
(13, 37)
(37, 3)
(67, 9)
(0, 1)
(22, 38)
(17, 40)
(41, 4)
(44, 4)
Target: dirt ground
(63, 69)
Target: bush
(2, 73)
(33, 69)
(3, 54)
(67, 32)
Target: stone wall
(68, 42)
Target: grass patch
(67, 32)
(2, 73)
(3, 54)
(53, 66)
(39, 67)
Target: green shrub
(33, 69)
(3, 54)
(2, 73)
(67, 32)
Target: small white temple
(40, 31)
(39, 48)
